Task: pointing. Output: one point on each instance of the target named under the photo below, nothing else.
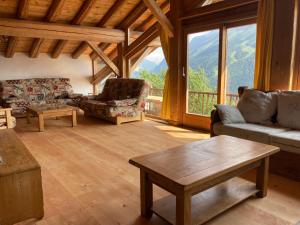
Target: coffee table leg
(262, 177)
(41, 123)
(74, 118)
(28, 117)
(146, 195)
(183, 209)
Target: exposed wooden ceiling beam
(80, 16)
(22, 13)
(142, 41)
(137, 12)
(84, 46)
(217, 7)
(126, 23)
(104, 58)
(105, 71)
(160, 16)
(51, 16)
(32, 29)
(140, 57)
(165, 7)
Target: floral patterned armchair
(122, 100)
(18, 94)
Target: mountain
(203, 54)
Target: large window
(240, 61)
(202, 79)
(205, 67)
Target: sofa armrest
(215, 118)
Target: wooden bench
(21, 194)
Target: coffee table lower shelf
(210, 203)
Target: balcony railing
(199, 102)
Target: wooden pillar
(176, 66)
(283, 45)
(122, 60)
(127, 62)
(296, 75)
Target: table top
(50, 107)
(204, 160)
(14, 156)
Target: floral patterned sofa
(17, 94)
(122, 100)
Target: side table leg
(146, 195)
(41, 123)
(262, 177)
(74, 118)
(183, 209)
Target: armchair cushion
(125, 102)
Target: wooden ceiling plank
(79, 18)
(22, 13)
(104, 58)
(160, 16)
(33, 29)
(51, 16)
(84, 46)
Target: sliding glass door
(218, 61)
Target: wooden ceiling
(121, 14)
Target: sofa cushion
(257, 106)
(254, 132)
(291, 138)
(289, 110)
(230, 114)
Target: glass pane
(153, 69)
(240, 60)
(202, 77)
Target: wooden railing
(199, 102)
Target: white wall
(22, 67)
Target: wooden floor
(87, 179)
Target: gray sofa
(287, 162)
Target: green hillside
(203, 56)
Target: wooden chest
(21, 194)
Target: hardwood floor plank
(87, 179)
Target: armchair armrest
(215, 118)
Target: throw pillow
(289, 110)
(229, 114)
(257, 106)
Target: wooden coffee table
(51, 111)
(202, 176)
